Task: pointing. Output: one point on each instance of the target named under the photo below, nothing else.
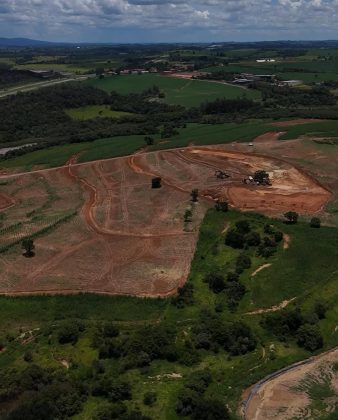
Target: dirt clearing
(287, 395)
(128, 238)
(300, 121)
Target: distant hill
(25, 42)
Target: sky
(169, 20)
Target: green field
(199, 134)
(177, 91)
(94, 111)
(55, 67)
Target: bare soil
(282, 397)
(300, 121)
(6, 201)
(272, 136)
(127, 237)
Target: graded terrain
(100, 227)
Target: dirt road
(275, 395)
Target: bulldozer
(221, 174)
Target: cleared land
(126, 237)
(306, 390)
(177, 91)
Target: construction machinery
(221, 174)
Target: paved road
(37, 85)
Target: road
(37, 85)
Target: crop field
(95, 111)
(177, 91)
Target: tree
(222, 206)
(68, 333)
(149, 398)
(315, 222)
(194, 196)
(234, 239)
(216, 282)
(243, 262)
(253, 239)
(309, 337)
(28, 246)
(210, 409)
(149, 140)
(292, 217)
(243, 226)
(278, 236)
(156, 182)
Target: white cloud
(223, 17)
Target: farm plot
(125, 237)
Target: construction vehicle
(259, 178)
(221, 174)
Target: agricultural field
(177, 91)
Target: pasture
(183, 92)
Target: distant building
(44, 74)
(291, 83)
(266, 60)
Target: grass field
(94, 111)
(177, 91)
(198, 134)
(54, 66)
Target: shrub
(315, 222)
(110, 411)
(210, 409)
(278, 236)
(149, 398)
(243, 261)
(291, 217)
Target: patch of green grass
(319, 129)
(95, 111)
(177, 91)
(59, 155)
(30, 311)
(204, 134)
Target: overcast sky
(169, 20)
